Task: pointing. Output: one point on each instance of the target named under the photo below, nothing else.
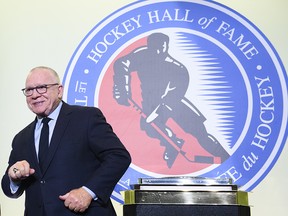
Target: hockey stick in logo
(186, 153)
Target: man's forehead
(39, 77)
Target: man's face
(45, 103)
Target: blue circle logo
(192, 88)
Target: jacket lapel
(33, 154)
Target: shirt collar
(54, 115)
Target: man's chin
(39, 112)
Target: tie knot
(46, 120)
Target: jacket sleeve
(114, 157)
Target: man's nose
(35, 93)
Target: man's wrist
(93, 195)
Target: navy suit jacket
(84, 151)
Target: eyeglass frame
(44, 86)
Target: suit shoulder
(26, 131)
(84, 109)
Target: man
(164, 82)
(84, 160)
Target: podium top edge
(186, 180)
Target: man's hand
(77, 200)
(20, 170)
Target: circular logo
(192, 88)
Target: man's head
(43, 91)
(158, 42)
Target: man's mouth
(39, 103)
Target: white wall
(38, 32)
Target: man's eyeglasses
(41, 89)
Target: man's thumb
(64, 197)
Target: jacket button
(42, 181)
